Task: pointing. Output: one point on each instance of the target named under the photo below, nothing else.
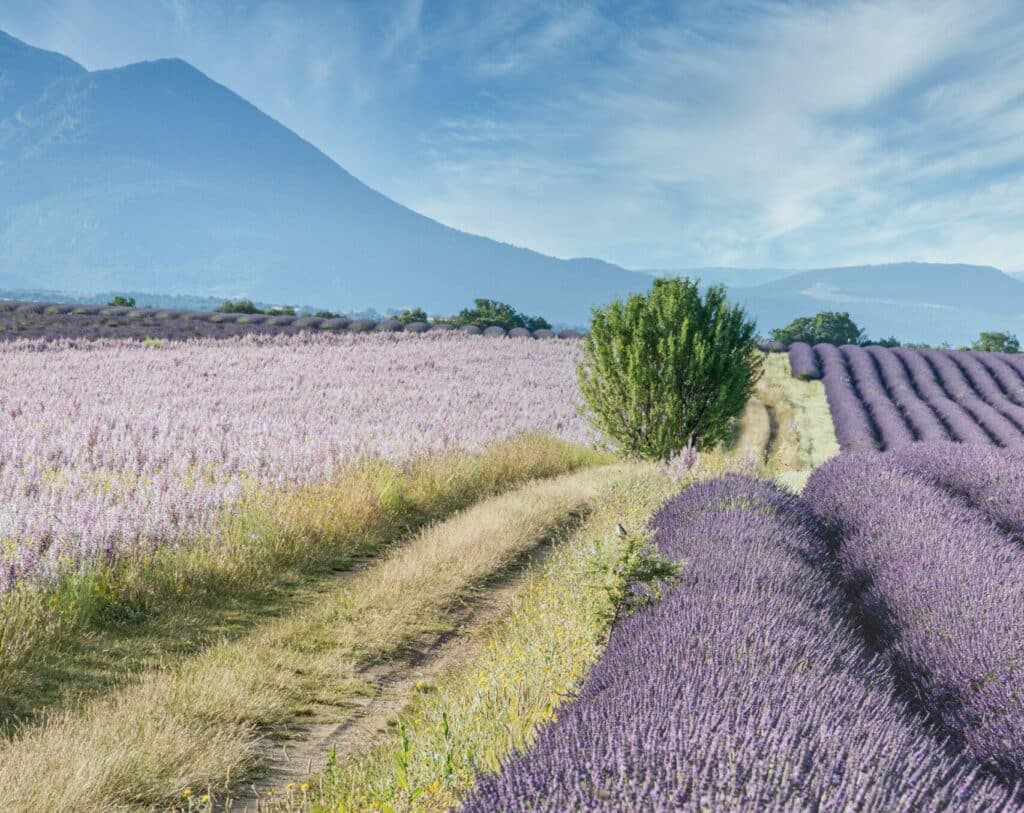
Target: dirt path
(305, 754)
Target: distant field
(111, 448)
(883, 398)
(44, 320)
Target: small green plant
(634, 577)
(668, 369)
(122, 302)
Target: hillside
(912, 301)
(155, 178)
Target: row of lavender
(44, 320)
(886, 398)
(751, 686)
(935, 570)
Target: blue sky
(652, 134)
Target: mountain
(927, 302)
(730, 277)
(155, 178)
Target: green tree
(486, 312)
(122, 302)
(238, 306)
(997, 341)
(828, 327)
(413, 315)
(668, 368)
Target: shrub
(487, 312)
(997, 341)
(413, 315)
(669, 368)
(122, 301)
(238, 306)
(827, 327)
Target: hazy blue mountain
(153, 177)
(913, 301)
(731, 277)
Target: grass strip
(531, 663)
(96, 628)
(201, 726)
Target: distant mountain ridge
(153, 177)
(931, 302)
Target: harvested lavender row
(803, 364)
(892, 426)
(989, 478)
(924, 418)
(1005, 432)
(942, 591)
(746, 688)
(853, 426)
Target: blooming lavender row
(890, 423)
(853, 424)
(989, 478)
(802, 362)
(113, 447)
(746, 688)
(941, 590)
(886, 398)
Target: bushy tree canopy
(997, 341)
(830, 327)
(487, 312)
(668, 368)
(238, 306)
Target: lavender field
(112, 447)
(884, 398)
(752, 685)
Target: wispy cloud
(650, 133)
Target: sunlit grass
(200, 726)
(532, 662)
(93, 629)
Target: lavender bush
(941, 591)
(986, 477)
(746, 688)
(853, 425)
(802, 362)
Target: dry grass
(93, 631)
(784, 433)
(200, 726)
(531, 663)
(804, 437)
